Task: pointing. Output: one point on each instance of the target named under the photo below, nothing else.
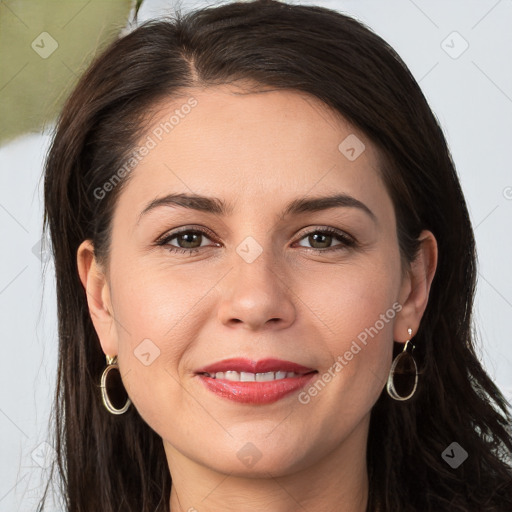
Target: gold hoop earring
(403, 375)
(111, 364)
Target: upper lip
(262, 366)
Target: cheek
(157, 321)
(158, 304)
(360, 351)
(358, 310)
(351, 298)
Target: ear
(415, 288)
(97, 290)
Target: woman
(265, 274)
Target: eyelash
(347, 242)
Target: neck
(336, 482)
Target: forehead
(249, 146)
(227, 121)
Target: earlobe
(98, 296)
(416, 286)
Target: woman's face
(254, 278)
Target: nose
(257, 295)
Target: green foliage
(44, 48)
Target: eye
(324, 238)
(189, 240)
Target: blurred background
(459, 52)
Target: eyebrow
(219, 207)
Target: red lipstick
(257, 382)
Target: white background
(472, 97)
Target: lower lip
(256, 392)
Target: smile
(254, 382)
(252, 377)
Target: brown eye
(321, 240)
(324, 240)
(187, 241)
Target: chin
(257, 464)
(258, 455)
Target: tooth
(263, 377)
(230, 375)
(252, 377)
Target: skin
(257, 152)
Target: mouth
(234, 376)
(256, 382)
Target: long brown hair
(110, 463)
